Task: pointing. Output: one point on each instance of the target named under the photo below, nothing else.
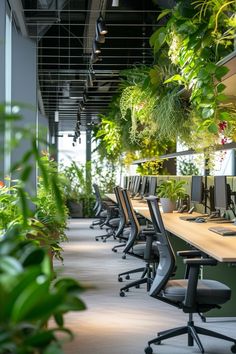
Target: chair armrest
(148, 231)
(189, 253)
(200, 261)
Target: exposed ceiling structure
(71, 82)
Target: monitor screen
(221, 195)
(152, 186)
(197, 189)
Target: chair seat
(140, 248)
(114, 222)
(208, 291)
(103, 214)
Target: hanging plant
(171, 115)
(140, 103)
(198, 34)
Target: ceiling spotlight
(92, 72)
(95, 58)
(56, 116)
(101, 26)
(82, 106)
(99, 37)
(84, 97)
(96, 47)
(115, 3)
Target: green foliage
(9, 206)
(171, 189)
(188, 168)
(104, 173)
(198, 34)
(29, 298)
(54, 223)
(171, 115)
(78, 186)
(110, 134)
(151, 168)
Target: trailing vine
(196, 41)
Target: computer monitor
(222, 193)
(197, 193)
(152, 186)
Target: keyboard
(192, 218)
(223, 231)
(188, 218)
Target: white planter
(168, 205)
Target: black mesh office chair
(99, 210)
(123, 229)
(140, 245)
(191, 295)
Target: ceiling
(70, 82)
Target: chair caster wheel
(233, 348)
(124, 257)
(114, 250)
(137, 286)
(122, 294)
(91, 227)
(104, 241)
(102, 238)
(120, 279)
(127, 290)
(127, 277)
(148, 350)
(96, 239)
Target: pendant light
(101, 26)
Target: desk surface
(222, 248)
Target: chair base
(146, 278)
(114, 249)
(192, 331)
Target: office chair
(140, 245)
(123, 229)
(191, 295)
(106, 211)
(99, 210)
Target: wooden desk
(222, 248)
(219, 247)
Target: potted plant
(169, 192)
(30, 298)
(78, 190)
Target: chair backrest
(144, 186)
(137, 184)
(131, 184)
(121, 205)
(135, 226)
(166, 265)
(99, 204)
(152, 185)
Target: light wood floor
(115, 325)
